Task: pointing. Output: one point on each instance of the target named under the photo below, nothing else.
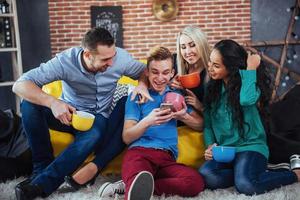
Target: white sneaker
(295, 161)
(109, 190)
(142, 187)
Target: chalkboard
(34, 28)
(110, 18)
(269, 21)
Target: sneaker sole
(142, 187)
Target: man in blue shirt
(89, 77)
(151, 134)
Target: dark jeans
(51, 172)
(11, 168)
(248, 173)
(112, 144)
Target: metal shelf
(11, 49)
(16, 58)
(7, 83)
(7, 15)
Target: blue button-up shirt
(84, 90)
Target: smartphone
(164, 106)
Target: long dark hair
(234, 57)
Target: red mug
(191, 80)
(176, 99)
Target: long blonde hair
(202, 46)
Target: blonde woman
(192, 56)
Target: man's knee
(197, 185)
(91, 137)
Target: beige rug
(291, 192)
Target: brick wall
(219, 19)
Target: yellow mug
(82, 120)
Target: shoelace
(119, 189)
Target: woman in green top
(232, 118)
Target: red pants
(170, 178)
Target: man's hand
(208, 152)
(143, 94)
(253, 61)
(175, 83)
(62, 111)
(191, 99)
(179, 115)
(158, 116)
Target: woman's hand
(253, 61)
(175, 83)
(191, 99)
(208, 152)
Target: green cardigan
(218, 126)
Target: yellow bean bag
(190, 143)
(190, 147)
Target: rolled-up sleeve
(249, 93)
(45, 73)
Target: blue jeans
(248, 173)
(50, 172)
(112, 142)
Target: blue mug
(223, 154)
